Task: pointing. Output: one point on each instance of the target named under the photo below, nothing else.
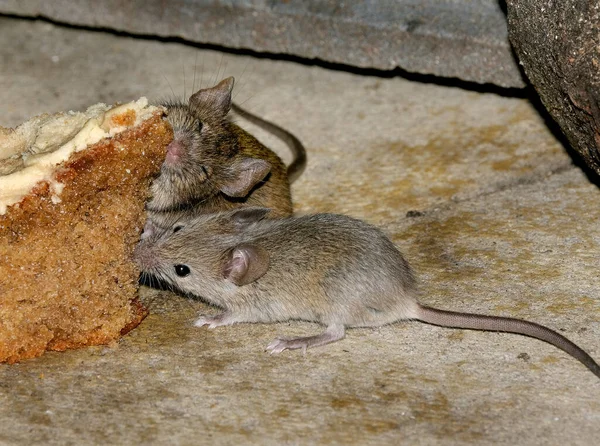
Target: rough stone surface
(473, 188)
(451, 38)
(558, 45)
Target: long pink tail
(509, 325)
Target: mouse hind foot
(331, 334)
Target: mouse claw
(276, 346)
(201, 321)
(334, 332)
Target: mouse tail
(471, 321)
(298, 163)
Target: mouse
(331, 269)
(213, 165)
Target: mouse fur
(214, 165)
(326, 268)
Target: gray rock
(465, 39)
(558, 45)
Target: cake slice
(72, 193)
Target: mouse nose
(149, 230)
(144, 256)
(174, 152)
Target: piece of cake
(72, 192)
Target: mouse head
(203, 159)
(206, 253)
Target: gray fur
(213, 165)
(325, 268)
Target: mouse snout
(149, 230)
(145, 257)
(175, 151)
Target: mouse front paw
(215, 321)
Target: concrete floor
(505, 225)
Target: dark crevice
(373, 72)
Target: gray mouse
(214, 165)
(325, 268)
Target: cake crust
(66, 275)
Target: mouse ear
(246, 216)
(217, 97)
(248, 172)
(246, 264)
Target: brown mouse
(325, 268)
(214, 165)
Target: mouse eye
(177, 228)
(182, 270)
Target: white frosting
(47, 141)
